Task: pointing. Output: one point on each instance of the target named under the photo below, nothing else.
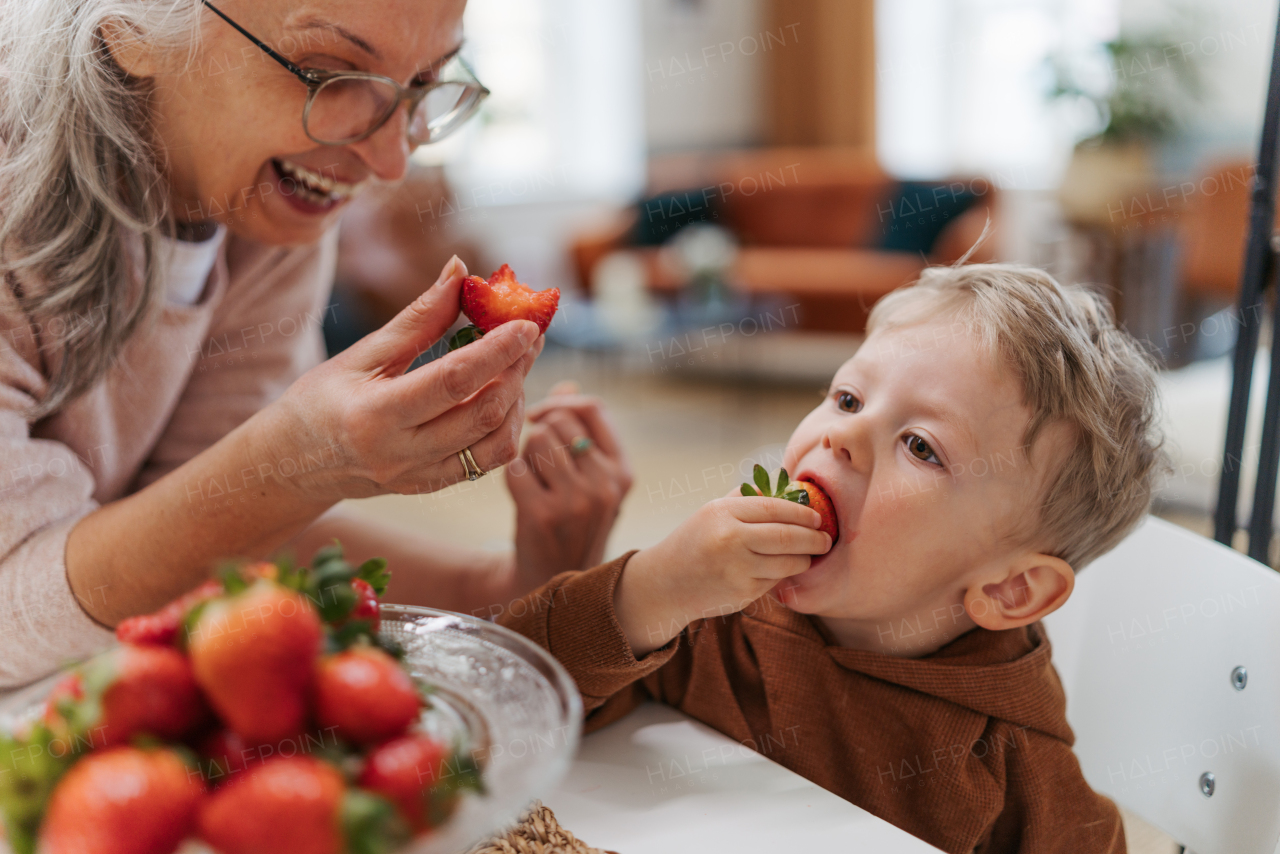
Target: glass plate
(497, 694)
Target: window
(961, 85)
(566, 118)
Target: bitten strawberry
(491, 304)
(802, 492)
(128, 691)
(365, 694)
(161, 628)
(253, 653)
(123, 800)
(297, 804)
(417, 774)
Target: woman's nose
(387, 151)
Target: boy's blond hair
(1075, 366)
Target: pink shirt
(178, 387)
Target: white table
(659, 781)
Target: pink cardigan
(178, 387)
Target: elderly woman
(171, 177)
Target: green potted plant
(1142, 101)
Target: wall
(1231, 41)
(704, 62)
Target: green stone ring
(580, 445)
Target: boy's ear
(1032, 587)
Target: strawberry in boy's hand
(801, 491)
(489, 304)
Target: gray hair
(83, 199)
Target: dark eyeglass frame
(314, 80)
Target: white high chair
(1169, 651)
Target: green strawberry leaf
(749, 490)
(30, 767)
(348, 635)
(374, 571)
(783, 481)
(189, 623)
(461, 774)
(289, 574)
(799, 496)
(371, 823)
(761, 477)
(464, 336)
(232, 581)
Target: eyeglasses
(344, 107)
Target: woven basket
(537, 832)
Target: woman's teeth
(314, 187)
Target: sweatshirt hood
(1007, 674)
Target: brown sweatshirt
(967, 748)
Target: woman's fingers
(568, 428)
(527, 488)
(487, 412)
(391, 349)
(589, 411)
(436, 388)
(502, 445)
(549, 458)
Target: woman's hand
(567, 491)
(389, 431)
(724, 557)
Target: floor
(690, 436)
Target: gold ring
(470, 466)
(580, 445)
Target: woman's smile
(309, 192)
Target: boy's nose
(851, 444)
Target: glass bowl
(498, 695)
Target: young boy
(993, 435)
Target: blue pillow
(662, 217)
(918, 211)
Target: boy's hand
(727, 555)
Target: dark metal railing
(1259, 267)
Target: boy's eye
(847, 402)
(920, 449)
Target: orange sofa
(809, 221)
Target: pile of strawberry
(259, 713)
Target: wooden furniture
(809, 221)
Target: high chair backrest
(1169, 652)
